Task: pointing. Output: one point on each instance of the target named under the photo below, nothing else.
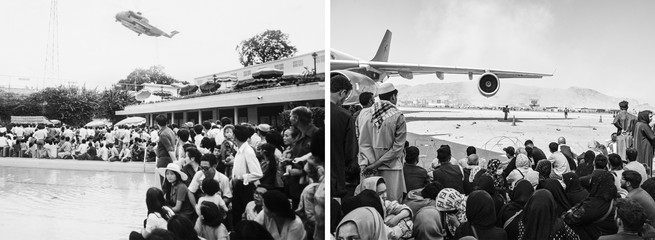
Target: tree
(265, 47)
(113, 100)
(154, 74)
(71, 105)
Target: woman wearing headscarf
(586, 165)
(508, 217)
(493, 170)
(481, 218)
(427, 224)
(397, 216)
(452, 211)
(540, 221)
(523, 171)
(362, 223)
(594, 216)
(644, 138)
(558, 194)
(543, 168)
(486, 183)
(574, 191)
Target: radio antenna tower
(51, 66)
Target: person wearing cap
(262, 130)
(625, 124)
(382, 134)
(175, 192)
(278, 217)
(342, 142)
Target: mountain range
(514, 95)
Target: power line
(51, 65)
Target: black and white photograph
(144, 119)
(491, 120)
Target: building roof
(284, 94)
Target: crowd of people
(237, 181)
(119, 143)
(379, 192)
(219, 180)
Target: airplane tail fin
(383, 51)
(173, 33)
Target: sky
(96, 51)
(604, 45)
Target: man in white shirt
(245, 174)
(19, 131)
(208, 164)
(41, 134)
(557, 158)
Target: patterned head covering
(449, 200)
(492, 170)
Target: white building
(262, 105)
(293, 65)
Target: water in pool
(71, 204)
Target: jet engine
(488, 84)
(361, 83)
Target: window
(297, 63)
(246, 73)
(279, 66)
(320, 59)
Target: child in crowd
(210, 223)
(212, 190)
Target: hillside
(466, 94)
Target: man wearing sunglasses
(207, 168)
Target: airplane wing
(407, 70)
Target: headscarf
(643, 116)
(522, 192)
(479, 212)
(383, 110)
(522, 161)
(602, 186)
(555, 188)
(367, 198)
(370, 225)
(492, 170)
(520, 195)
(370, 183)
(450, 202)
(540, 219)
(485, 183)
(544, 167)
(574, 191)
(427, 224)
(587, 166)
